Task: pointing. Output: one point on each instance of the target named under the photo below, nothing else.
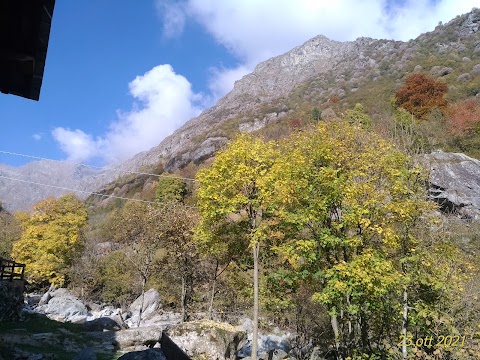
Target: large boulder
(455, 183)
(131, 338)
(63, 306)
(267, 344)
(208, 339)
(276, 342)
(151, 306)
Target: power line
(73, 190)
(84, 191)
(91, 166)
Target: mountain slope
(320, 73)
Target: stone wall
(11, 299)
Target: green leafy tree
(233, 190)
(316, 114)
(171, 188)
(51, 238)
(358, 116)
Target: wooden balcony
(11, 270)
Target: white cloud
(255, 30)
(173, 16)
(165, 101)
(76, 144)
(222, 79)
(37, 136)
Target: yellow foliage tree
(50, 238)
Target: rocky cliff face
(314, 73)
(327, 68)
(455, 183)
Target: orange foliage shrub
(295, 124)
(421, 94)
(464, 116)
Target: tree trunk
(364, 331)
(144, 284)
(212, 296)
(336, 332)
(256, 249)
(183, 299)
(404, 324)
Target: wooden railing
(11, 270)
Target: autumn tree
(221, 246)
(51, 237)
(146, 229)
(175, 227)
(420, 94)
(346, 206)
(9, 231)
(464, 116)
(233, 190)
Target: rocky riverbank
(58, 325)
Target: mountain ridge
(281, 88)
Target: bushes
(464, 116)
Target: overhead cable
(91, 166)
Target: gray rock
(328, 114)
(250, 127)
(151, 305)
(277, 354)
(129, 338)
(47, 296)
(316, 354)
(455, 183)
(64, 307)
(267, 343)
(208, 339)
(476, 69)
(150, 354)
(464, 77)
(86, 354)
(439, 71)
(33, 299)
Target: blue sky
(123, 74)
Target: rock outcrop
(208, 339)
(151, 306)
(61, 305)
(455, 183)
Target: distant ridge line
(90, 166)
